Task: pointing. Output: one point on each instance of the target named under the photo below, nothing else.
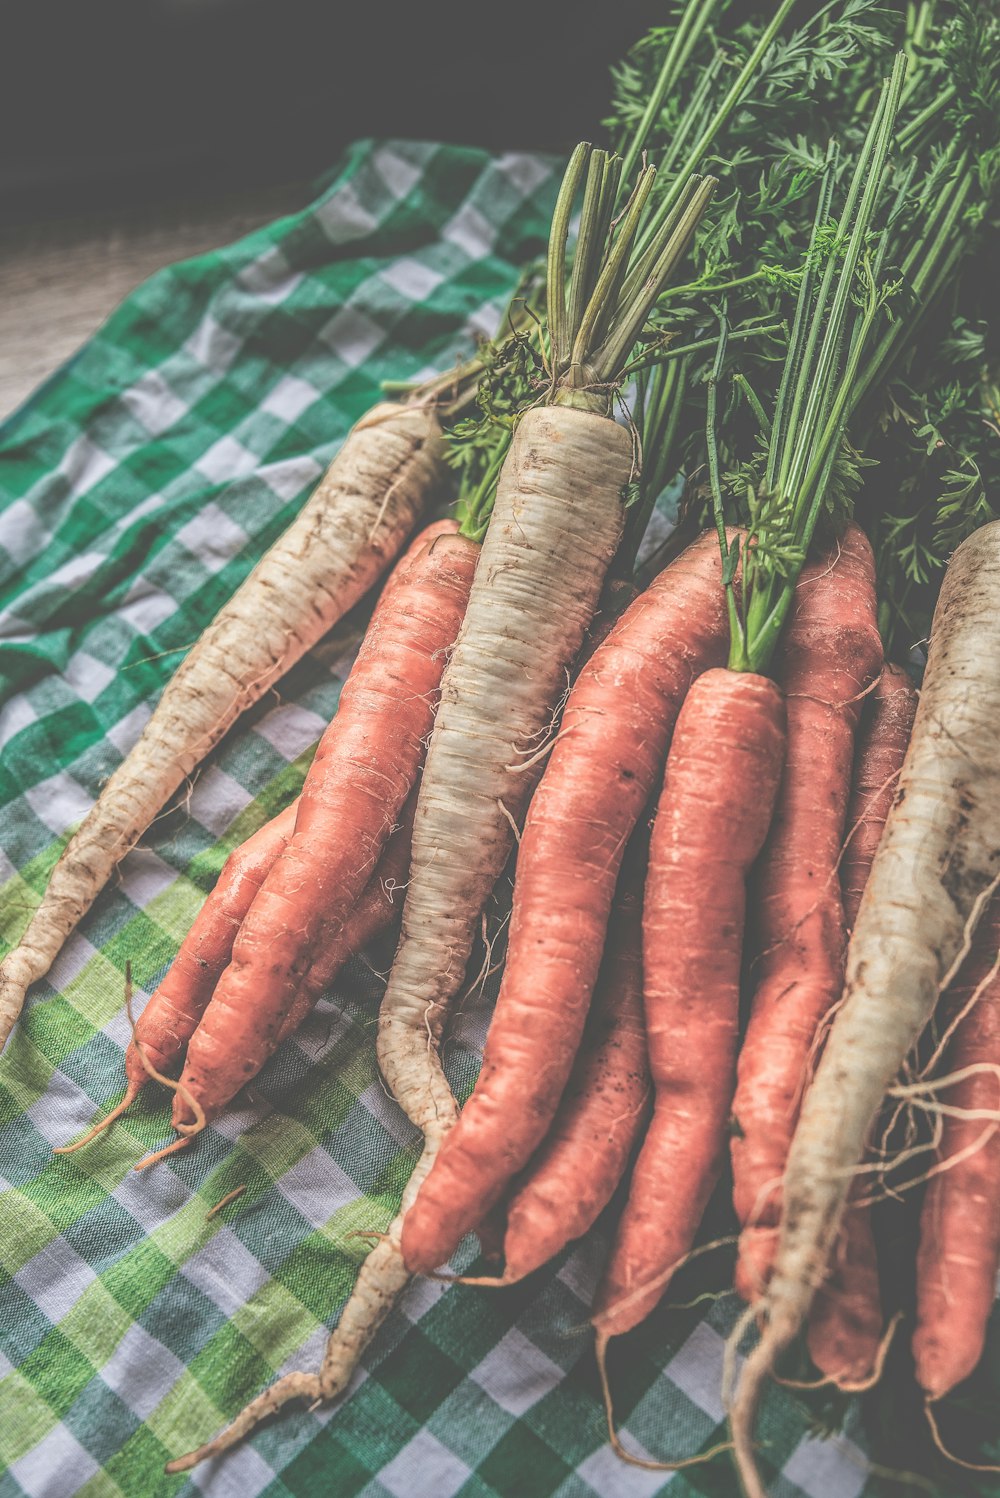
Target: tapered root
(292, 1386)
(133, 1092)
(116, 1112)
(161, 1154)
(846, 1385)
(949, 1455)
(382, 1278)
(601, 1353)
(778, 1333)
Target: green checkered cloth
(140, 485)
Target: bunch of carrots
(754, 910)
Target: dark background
(113, 103)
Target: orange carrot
(845, 1323)
(960, 1220)
(363, 771)
(380, 903)
(573, 1176)
(174, 1010)
(607, 758)
(885, 732)
(719, 789)
(830, 653)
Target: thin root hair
(513, 825)
(537, 757)
(230, 1196)
(646, 1463)
(661, 1279)
(949, 1455)
(916, 1090)
(944, 1039)
(850, 1386)
(978, 906)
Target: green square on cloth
(139, 486)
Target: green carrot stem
(585, 328)
(693, 116)
(692, 23)
(822, 389)
(729, 104)
(826, 391)
(797, 338)
(753, 331)
(629, 321)
(709, 289)
(730, 554)
(556, 266)
(642, 265)
(657, 409)
(589, 246)
(933, 263)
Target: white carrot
(935, 866)
(345, 537)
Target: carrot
(831, 652)
(170, 1018)
(584, 1156)
(379, 904)
(172, 1014)
(935, 865)
(344, 538)
(882, 742)
(719, 788)
(959, 1250)
(601, 773)
(364, 768)
(845, 1325)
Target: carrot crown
(596, 316)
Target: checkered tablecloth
(139, 487)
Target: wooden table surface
(61, 279)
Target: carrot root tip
(99, 1128)
(161, 1154)
(601, 1353)
(950, 1455)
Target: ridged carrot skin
(174, 1010)
(719, 789)
(846, 1324)
(887, 723)
(830, 653)
(364, 768)
(585, 1154)
(599, 777)
(379, 905)
(959, 1252)
(345, 537)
